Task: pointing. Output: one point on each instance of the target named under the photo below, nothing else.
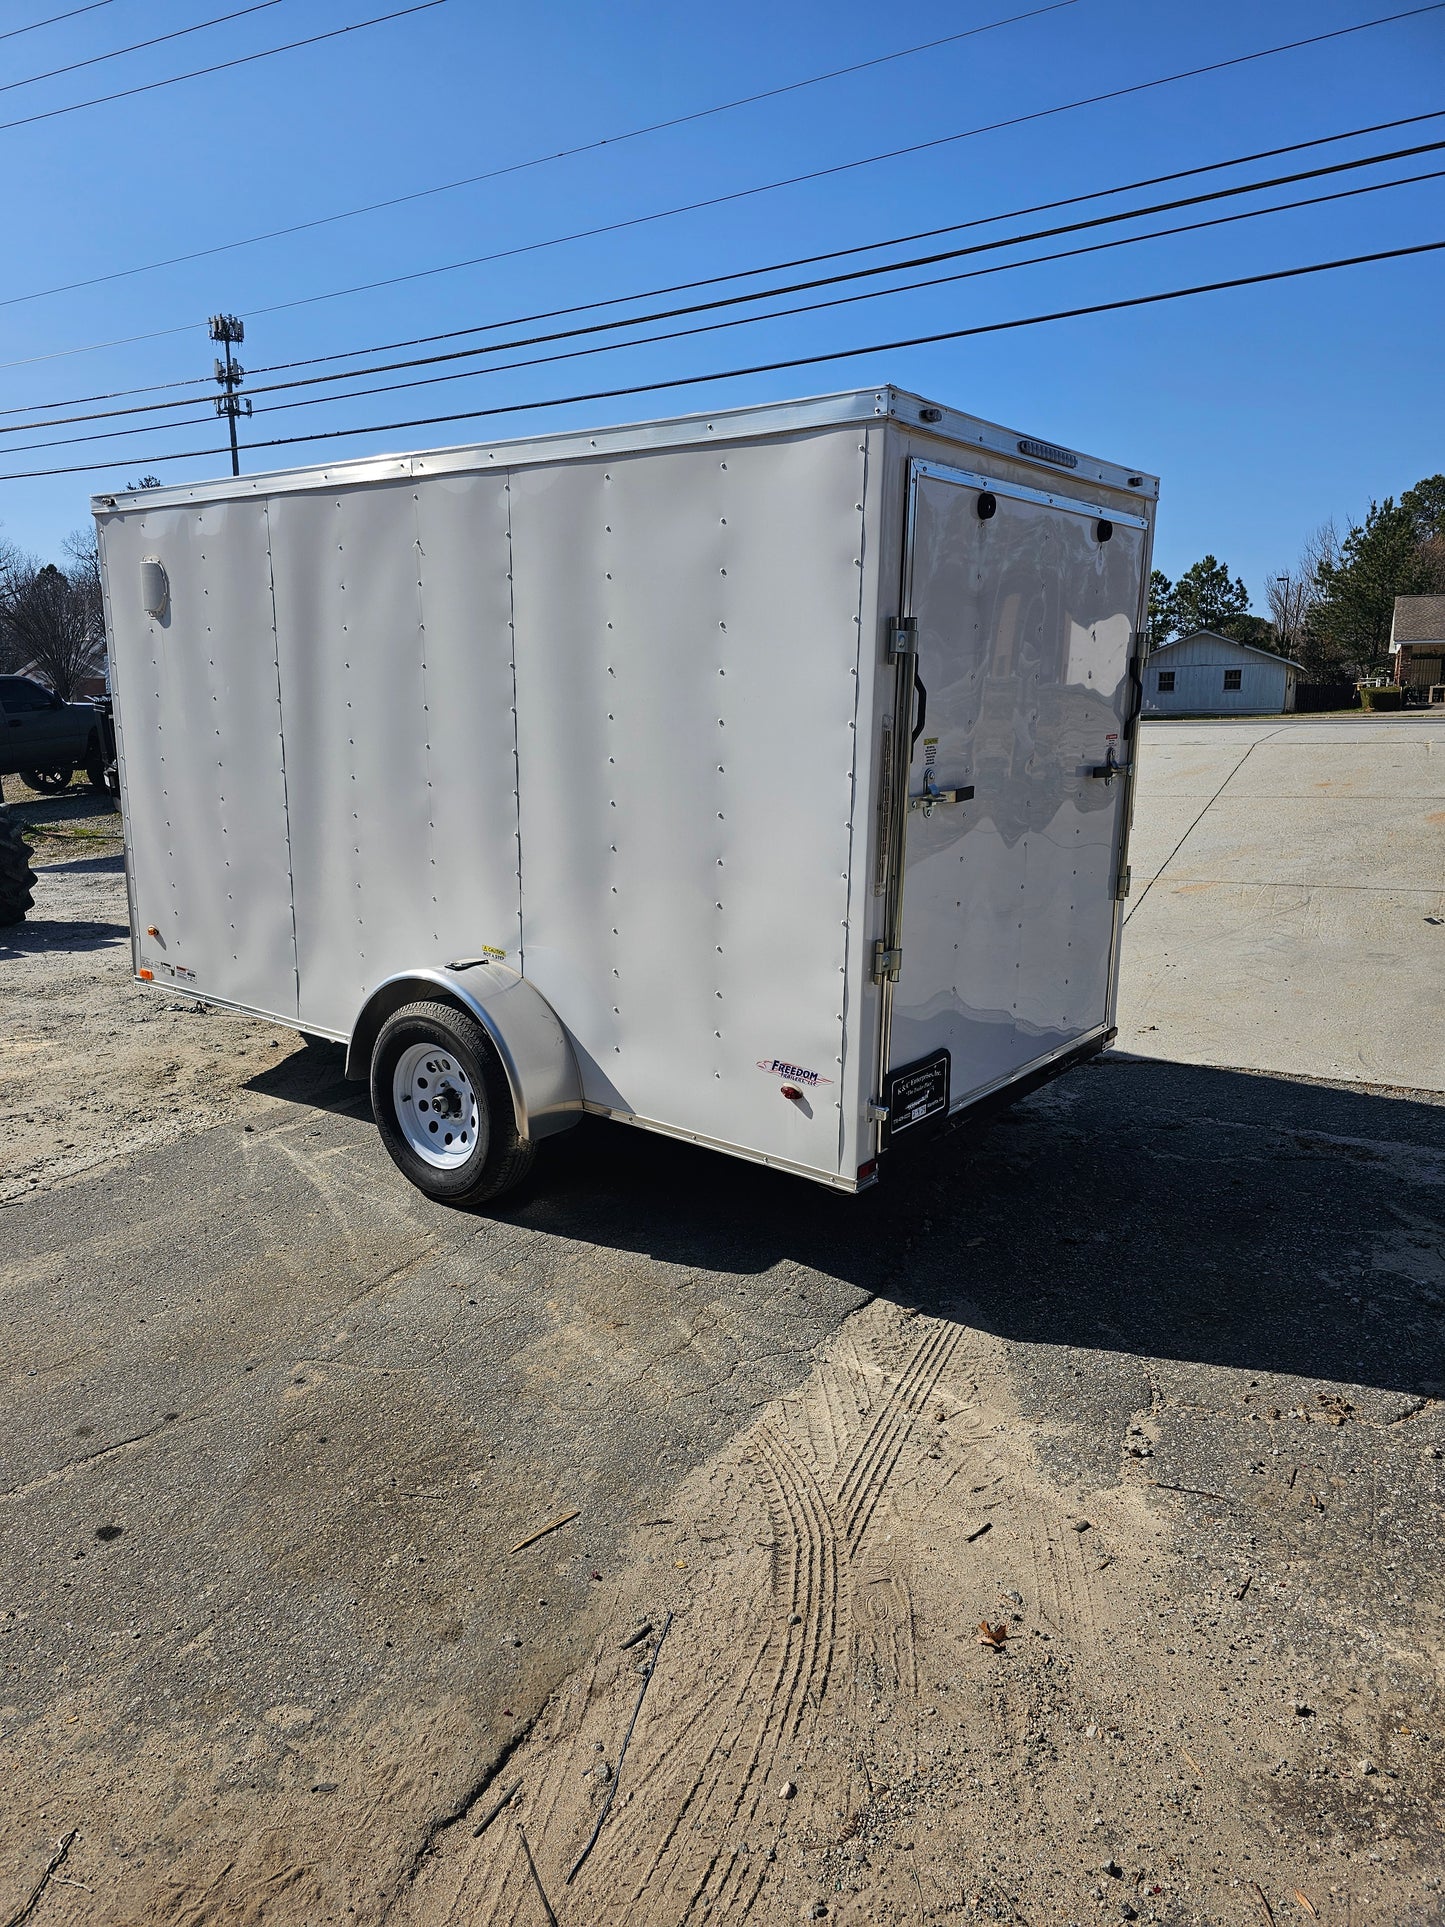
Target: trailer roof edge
(951, 426)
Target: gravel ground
(1150, 1373)
(92, 1066)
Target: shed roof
(1227, 642)
(1418, 618)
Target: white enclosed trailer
(761, 778)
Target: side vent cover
(155, 590)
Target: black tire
(499, 1158)
(49, 782)
(17, 879)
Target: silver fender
(535, 1049)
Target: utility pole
(230, 329)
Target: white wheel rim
(436, 1106)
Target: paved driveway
(276, 1427)
(1288, 907)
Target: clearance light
(146, 976)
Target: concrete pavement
(1288, 902)
(275, 1423)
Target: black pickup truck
(44, 740)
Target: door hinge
(886, 963)
(1121, 888)
(902, 637)
(877, 1112)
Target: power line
(770, 367)
(831, 254)
(94, 6)
(799, 287)
(768, 187)
(911, 287)
(842, 167)
(242, 60)
(544, 160)
(677, 334)
(895, 267)
(778, 267)
(95, 60)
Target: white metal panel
(687, 654)
(1025, 625)
(397, 685)
(204, 790)
(464, 546)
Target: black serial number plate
(917, 1094)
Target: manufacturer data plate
(917, 1095)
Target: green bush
(1390, 696)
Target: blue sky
(1264, 410)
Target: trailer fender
(535, 1049)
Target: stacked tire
(17, 879)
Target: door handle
(930, 795)
(1111, 767)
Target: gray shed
(1207, 674)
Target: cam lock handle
(1111, 767)
(932, 796)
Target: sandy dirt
(827, 1735)
(1150, 1378)
(92, 1066)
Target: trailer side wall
(326, 788)
(687, 644)
(198, 733)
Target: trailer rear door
(1025, 603)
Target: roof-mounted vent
(1046, 452)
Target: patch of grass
(74, 833)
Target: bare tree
(15, 568)
(1432, 557)
(83, 574)
(1295, 598)
(52, 625)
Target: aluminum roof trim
(724, 424)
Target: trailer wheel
(17, 879)
(443, 1106)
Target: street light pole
(230, 329)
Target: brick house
(1417, 641)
